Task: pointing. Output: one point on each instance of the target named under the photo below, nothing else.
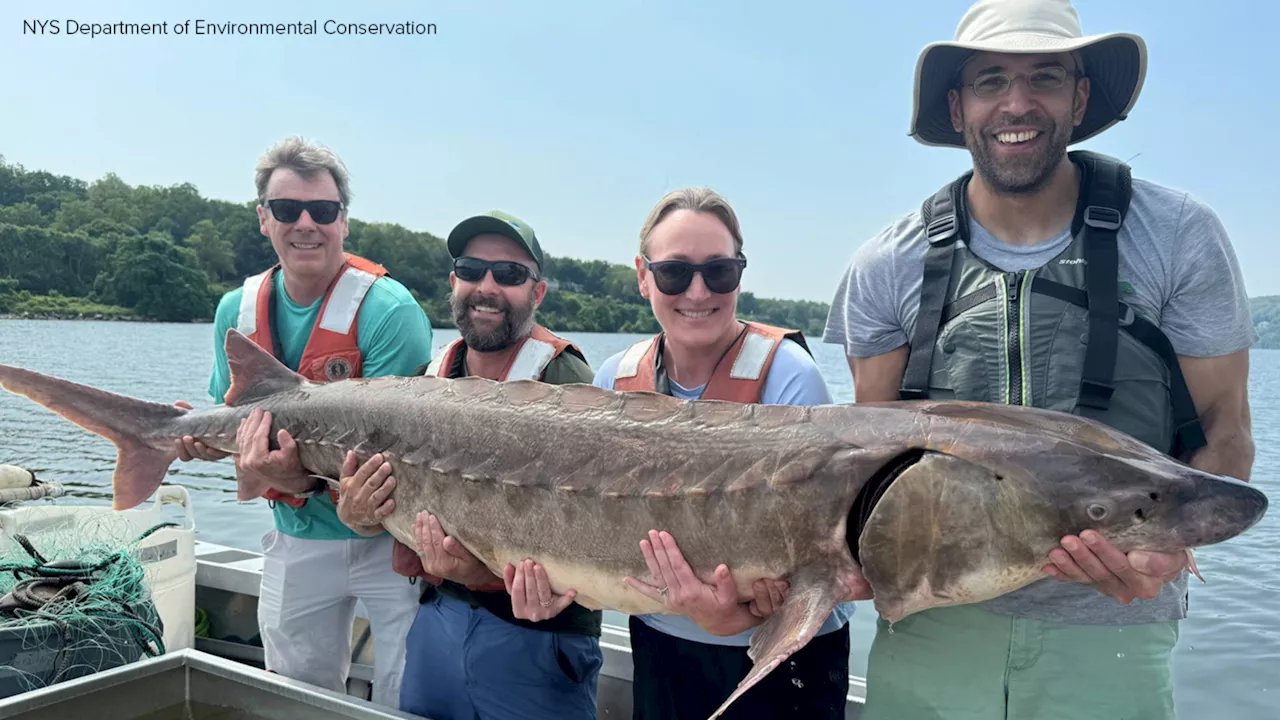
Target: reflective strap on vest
(433, 368)
(629, 365)
(440, 363)
(344, 301)
(752, 357)
(248, 321)
(531, 360)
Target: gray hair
(697, 199)
(305, 158)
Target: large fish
(939, 503)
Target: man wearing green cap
(484, 646)
(1052, 279)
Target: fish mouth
(865, 503)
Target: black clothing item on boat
(678, 679)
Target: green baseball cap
(495, 222)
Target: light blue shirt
(794, 379)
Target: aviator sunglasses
(322, 212)
(505, 272)
(720, 275)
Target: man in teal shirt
(327, 315)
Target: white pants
(307, 605)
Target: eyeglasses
(322, 212)
(1040, 80)
(720, 275)
(505, 272)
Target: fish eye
(1096, 511)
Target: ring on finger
(545, 603)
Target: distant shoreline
(134, 318)
(88, 316)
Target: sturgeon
(937, 502)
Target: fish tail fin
(815, 592)
(143, 454)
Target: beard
(517, 321)
(1024, 175)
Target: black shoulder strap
(661, 383)
(943, 225)
(1106, 200)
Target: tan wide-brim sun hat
(1116, 63)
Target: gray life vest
(1056, 337)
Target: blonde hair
(305, 158)
(699, 199)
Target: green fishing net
(71, 607)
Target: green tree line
(107, 249)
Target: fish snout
(1222, 509)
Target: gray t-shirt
(1177, 269)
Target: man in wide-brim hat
(1053, 279)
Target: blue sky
(579, 115)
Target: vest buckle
(1103, 218)
(1126, 317)
(941, 228)
(1095, 395)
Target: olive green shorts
(966, 663)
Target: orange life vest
(536, 351)
(529, 362)
(332, 352)
(740, 377)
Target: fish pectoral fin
(140, 469)
(1191, 565)
(815, 592)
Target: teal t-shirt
(394, 336)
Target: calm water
(1227, 664)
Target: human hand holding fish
(531, 595)
(191, 449)
(364, 493)
(258, 465)
(445, 557)
(713, 606)
(769, 596)
(1091, 559)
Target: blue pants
(462, 663)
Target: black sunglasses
(322, 212)
(720, 275)
(505, 272)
